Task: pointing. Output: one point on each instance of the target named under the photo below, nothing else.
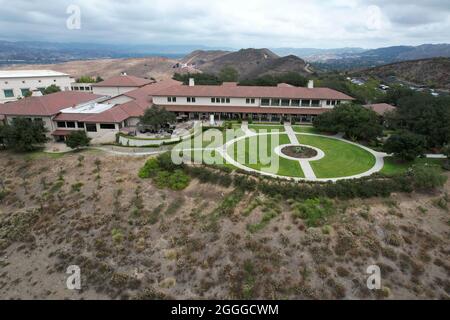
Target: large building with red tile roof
(102, 116)
(231, 101)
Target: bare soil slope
(134, 241)
(152, 67)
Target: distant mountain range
(381, 56)
(28, 52)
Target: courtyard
(271, 150)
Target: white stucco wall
(48, 122)
(235, 102)
(112, 91)
(31, 83)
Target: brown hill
(152, 67)
(251, 63)
(429, 72)
(200, 57)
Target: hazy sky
(231, 23)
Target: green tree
(353, 120)
(156, 117)
(423, 114)
(77, 139)
(98, 79)
(51, 89)
(395, 93)
(405, 145)
(446, 150)
(229, 74)
(24, 134)
(200, 78)
(86, 79)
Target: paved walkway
(246, 130)
(304, 164)
(379, 159)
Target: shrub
(149, 169)
(165, 173)
(426, 178)
(314, 211)
(77, 139)
(117, 236)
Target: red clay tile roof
(380, 108)
(228, 109)
(123, 81)
(47, 105)
(143, 96)
(253, 92)
(61, 132)
(72, 116)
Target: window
(275, 102)
(81, 88)
(222, 100)
(213, 100)
(80, 125)
(265, 102)
(305, 103)
(91, 127)
(9, 93)
(70, 124)
(295, 102)
(227, 100)
(107, 126)
(61, 124)
(285, 102)
(190, 99)
(25, 91)
(171, 99)
(315, 103)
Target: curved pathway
(379, 159)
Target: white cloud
(232, 23)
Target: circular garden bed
(299, 152)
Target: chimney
(191, 82)
(311, 84)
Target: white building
(16, 84)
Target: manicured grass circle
(341, 159)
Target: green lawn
(278, 165)
(264, 128)
(341, 159)
(392, 167)
(304, 129)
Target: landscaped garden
(260, 149)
